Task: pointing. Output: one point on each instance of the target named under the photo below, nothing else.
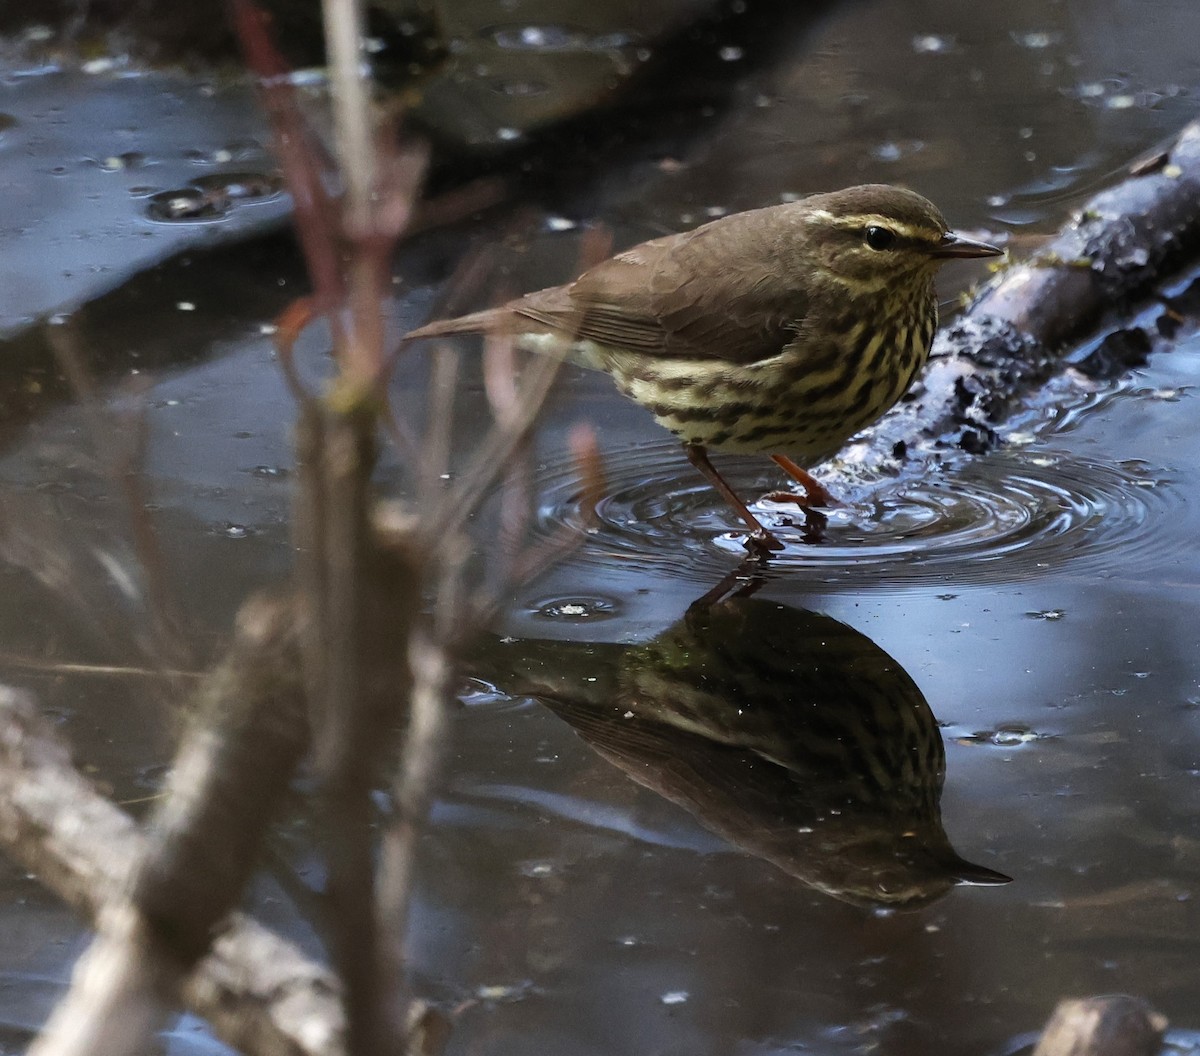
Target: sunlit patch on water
(1001, 518)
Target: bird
(782, 330)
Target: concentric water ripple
(994, 519)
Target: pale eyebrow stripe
(919, 234)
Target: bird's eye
(879, 237)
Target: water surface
(1035, 607)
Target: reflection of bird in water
(786, 732)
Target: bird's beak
(955, 245)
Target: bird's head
(875, 236)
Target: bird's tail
(476, 323)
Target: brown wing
(718, 292)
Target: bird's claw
(762, 544)
(808, 501)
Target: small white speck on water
(674, 997)
(560, 223)
(731, 54)
(931, 44)
(185, 306)
(628, 715)
(1036, 40)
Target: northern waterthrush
(780, 331)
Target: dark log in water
(1122, 248)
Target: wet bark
(1122, 248)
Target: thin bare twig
(352, 111)
(494, 451)
(434, 463)
(412, 791)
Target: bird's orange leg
(815, 493)
(760, 539)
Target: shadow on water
(786, 732)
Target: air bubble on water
(1047, 614)
(130, 159)
(576, 609)
(894, 150)
(504, 993)
(235, 531)
(189, 204)
(520, 89)
(1009, 735)
(550, 37)
(675, 997)
(535, 38)
(239, 186)
(731, 54)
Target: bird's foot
(815, 523)
(817, 496)
(762, 544)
